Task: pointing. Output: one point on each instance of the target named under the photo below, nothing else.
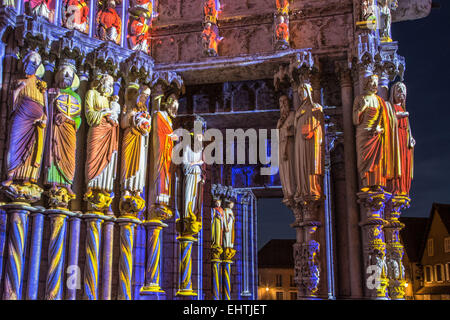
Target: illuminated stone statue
(62, 130)
(217, 218)
(385, 18)
(41, 8)
(28, 128)
(309, 146)
(228, 230)
(109, 24)
(192, 168)
(287, 152)
(374, 142)
(162, 145)
(76, 15)
(102, 112)
(404, 142)
(136, 122)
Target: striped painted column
(152, 270)
(226, 272)
(34, 260)
(216, 279)
(18, 220)
(92, 264)
(127, 230)
(185, 270)
(73, 281)
(3, 227)
(56, 252)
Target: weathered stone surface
(411, 10)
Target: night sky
(425, 43)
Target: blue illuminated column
(34, 261)
(3, 227)
(74, 278)
(14, 270)
(245, 245)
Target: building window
(447, 245)
(447, 270)
(291, 281)
(279, 295)
(439, 272)
(293, 295)
(430, 247)
(279, 280)
(428, 274)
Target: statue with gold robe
(161, 161)
(374, 137)
(28, 128)
(136, 122)
(309, 146)
(102, 112)
(62, 135)
(228, 230)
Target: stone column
(3, 227)
(185, 273)
(394, 248)
(94, 222)
(216, 279)
(152, 283)
(351, 182)
(34, 260)
(127, 230)
(107, 259)
(226, 281)
(18, 227)
(374, 252)
(56, 253)
(74, 282)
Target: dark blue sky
(425, 44)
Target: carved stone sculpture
(287, 150)
(141, 15)
(109, 23)
(374, 137)
(404, 142)
(385, 18)
(136, 122)
(217, 217)
(76, 15)
(228, 230)
(309, 146)
(27, 131)
(65, 113)
(42, 8)
(162, 145)
(102, 112)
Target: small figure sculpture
(162, 145)
(287, 153)
(139, 29)
(282, 33)
(217, 221)
(404, 142)
(211, 10)
(211, 39)
(385, 8)
(109, 24)
(309, 146)
(283, 6)
(374, 140)
(136, 122)
(228, 230)
(76, 15)
(62, 130)
(42, 8)
(102, 112)
(27, 131)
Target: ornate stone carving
(139, 24)
(41, 8)
(210, 35)
(385, 8)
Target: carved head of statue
(171, 105)
(145, 93)
(31, 62)
(305, 92)
(280, 19)
(106, 85)
(217, 203)
(398, 93)
(371, 84)
(284, 105)
(65, 76)
(131, 94)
